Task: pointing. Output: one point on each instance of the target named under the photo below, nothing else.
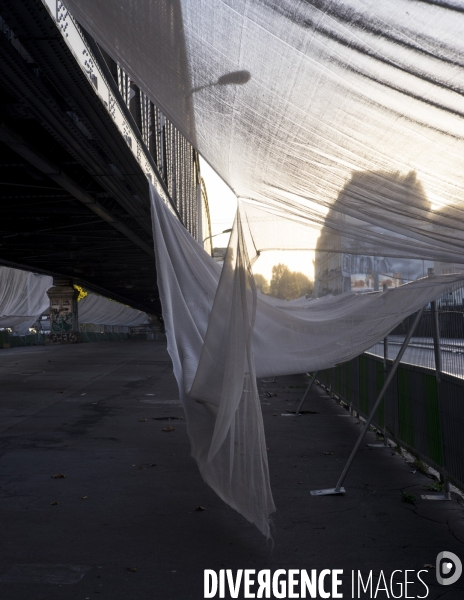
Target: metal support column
(436, 341)
(306, 393)
(338, 489)
(385, 370)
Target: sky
(223, 205)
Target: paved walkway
(125, 524)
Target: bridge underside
(75, 201)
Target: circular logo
(448, 568)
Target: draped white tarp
(349, 106)
(337, 115)
(222, 334)
(23, 298)
(102, 311)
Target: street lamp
(211, 236)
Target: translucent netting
(222, 334)
(331, 118)
(23, 298)
(352, 107)
(102, 311)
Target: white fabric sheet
(102, 311)
(218, 328)
(23, 298)
(357, 96)
(350, 119)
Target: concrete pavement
(125, 524)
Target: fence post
(438, 372)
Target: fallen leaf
(200, 508)
(132, 569)
(84, 497)
(54, 503)
(152, 465)
(168, 429)
(274, 414)
(143, 420)
(58, 476)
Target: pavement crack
(453, 533)
(426, 518)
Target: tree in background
(261, 283)
(288, 285)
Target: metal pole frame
(385, 443)
(306, 393)
(338, 489)
(438, 371)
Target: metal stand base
(435, 497)
(328, 492)
(445, 495)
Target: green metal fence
(424, 416)
(106, 336)
(15, 341)
(8, 340)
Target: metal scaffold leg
(338, 489)
(385, 370)
(306, 393)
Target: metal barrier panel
(417, 412)
(452, 416)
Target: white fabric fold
(23, 298)
(209, 331)
(99, 310)
(218, 327)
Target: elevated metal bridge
(78, 142)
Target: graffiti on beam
(63, 338)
